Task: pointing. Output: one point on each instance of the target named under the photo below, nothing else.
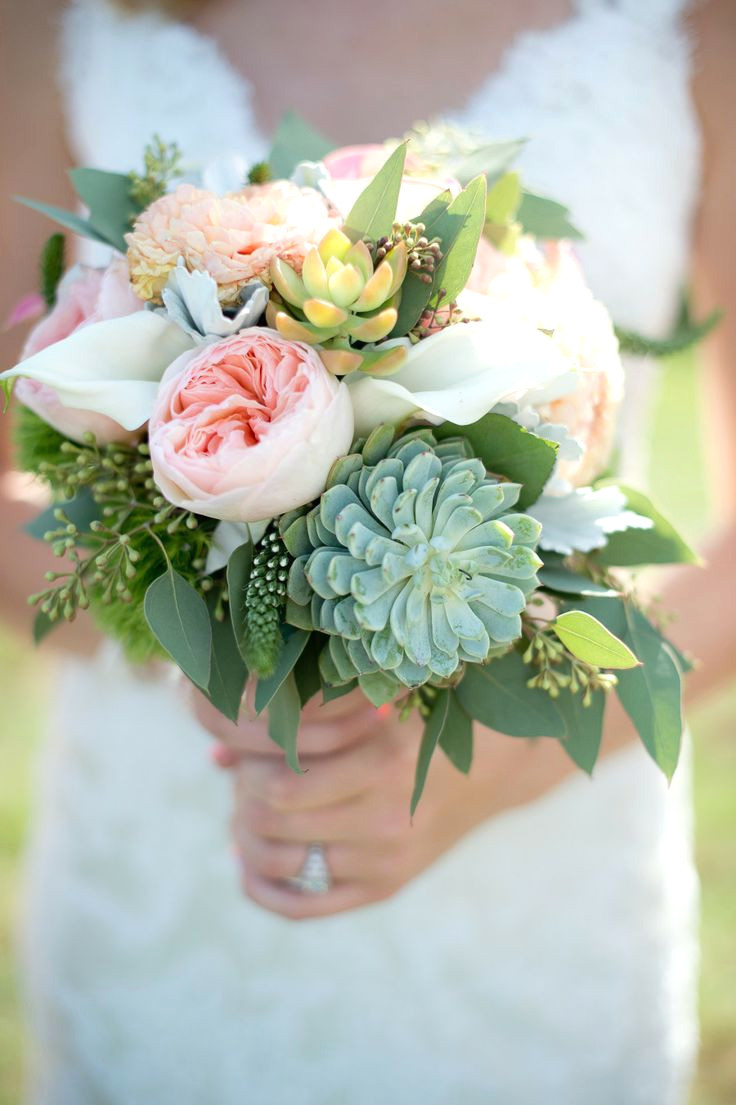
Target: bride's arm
(34, 164)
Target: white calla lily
(111, 367)
(458, 374)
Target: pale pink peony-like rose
(248, 428)
(234, 237)
(84, 296)
(584, 334)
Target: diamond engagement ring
(314, 877)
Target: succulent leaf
(416, 565)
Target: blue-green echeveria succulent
(413, 561)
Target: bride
(531, 938)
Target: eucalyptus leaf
(329, 694)
(373, 213)
(284, 712)
(588, 639)
(107, 196)
(583, 727)
(497, 695)
(306, 669)
(42, 626)
(491, 159)
(68, 219)
(650, 694)
(294, 646)
(503, 199)
(296, 140)
(563, 581)
(454, 269)
(238, 573)
(433, 729)
(415, 294)
(456, 739)
(179, 619)
(661, 544)
(509, 450)
(545, 218)
(228, 673)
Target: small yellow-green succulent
(342, 302)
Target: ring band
(314, 877)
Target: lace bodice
(550, 956)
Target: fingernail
(220, 754)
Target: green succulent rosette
(413, 562)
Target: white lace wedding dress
(551, 956)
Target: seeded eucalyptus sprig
(557, 668)
(161, 165)
(114, 557)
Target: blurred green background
(678, 483)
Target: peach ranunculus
(234, 238)
(248, 428)
(84, 296)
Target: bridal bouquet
(340, 422)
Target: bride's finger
(279, 861)
(297, 906)
(347, 822)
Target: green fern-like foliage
(686, 335)
(38, 446)
(51, 267)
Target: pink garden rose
(84, 296)
(234, 238)
(248, 428)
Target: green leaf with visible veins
(433, 729)
(294, 646)
(585, 637)
(496, 694)
(629, 548)
(583, 727)
(284, 712)
(373, 213)
(178, 618)
(228, 673)
(509, 450)
(238, 573)
(107, 195)
(456, 739)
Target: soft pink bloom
(84, 296)
(248, 428)
(357, 162)
(489, 263)
(234, 237)
(352, 168)
(28, 307)
(584, 333)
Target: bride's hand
(354, 797)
